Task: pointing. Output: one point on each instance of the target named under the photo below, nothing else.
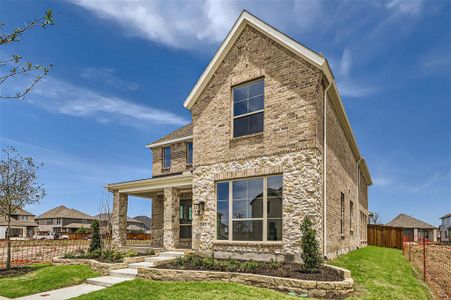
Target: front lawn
(146, 289)
(44, 278)
(382, 273)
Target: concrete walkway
(65, 293)
(98, 283)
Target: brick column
(157, 221)
(171, 218)
(119, 219)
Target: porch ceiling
(148, 188)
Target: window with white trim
(250, 209)
(248, 108)
(166, 157)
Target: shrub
(96, 243)
(311, 254)
(249, 266)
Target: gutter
(324, 169)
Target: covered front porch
(171, 198)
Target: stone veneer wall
(157, 221)
(119, 219)
(178, 160)
(302, 195)
(171, 218)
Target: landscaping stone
(126, 273)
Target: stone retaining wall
(330, 289)
(101, 267)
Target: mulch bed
(17, 271)
(286, 270)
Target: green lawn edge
(382, 273)
(165, 290)
(45, 278)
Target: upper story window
(248, 108)
(189, 153)
(342, 213)
(166, 157)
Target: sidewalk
(64, 293)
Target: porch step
(106, 280)
(124, 273)
(172, 253)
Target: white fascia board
(152, 183)
(247, 19)
(168, 142)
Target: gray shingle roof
(62, 212)
(446, 216)
(405, 221)
(185, 131)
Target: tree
(106, 219)
(18, 187)
(96, 243)
(311, 254)
(17, 67)
(374, 218)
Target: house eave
(169, 142)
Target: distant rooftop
(405, 221)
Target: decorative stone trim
(248, 173)
(248, 244)
(329, 289)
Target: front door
(186, 217)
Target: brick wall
(341, 177)
(178, 160)
(292, 90)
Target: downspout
(324, 170)
(358, 201)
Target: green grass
(146, 289)
(44, 278)
(382, 273)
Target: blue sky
(122, 71)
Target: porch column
(119, 219)
(171, 218)
(157, 221)
(415, 235)
(24, 232)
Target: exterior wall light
(199, 207)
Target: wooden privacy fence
(385, 236)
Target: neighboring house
(133, 225)
(63, 219)
(146, 220)
(269, 144)
(414, 229)
(445, 228)
(22, 224)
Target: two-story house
(445, 228)
(269, 144)
(63, 220)
(22, 224)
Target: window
(250, 209)
(189, 153)
(342, 214)
(166, 157)
(248, 108)
(351, 216)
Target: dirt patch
(19, 271)
(276, 269)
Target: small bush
(96, 243)
(249, 266)
(311, 254)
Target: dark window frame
(164, 155)
(257, 116)
(188, 156)
(342, 214)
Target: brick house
(64, 220)
(22, 224)
(269, 143)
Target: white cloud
(62, 97)
(382, 181)
(410, 7)
(195, 24)
(106, 75)
(178, 24)
(427, 184)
